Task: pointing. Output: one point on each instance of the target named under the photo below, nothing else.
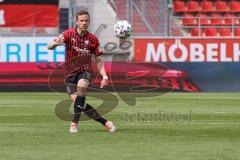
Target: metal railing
(148, 17)
(176, 23)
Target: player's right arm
(56, 42)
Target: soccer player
(81, 45)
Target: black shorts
(71, 81)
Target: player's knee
(81, 90)
(81, 87)
(73, 97)
(80, 93)
(83, 83)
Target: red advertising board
(123, 77)
(186, 50)
(29, 13)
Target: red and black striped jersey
(79, 51)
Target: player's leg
(93, 114)
(86, 108)
(78, 98)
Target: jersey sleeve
(97, 50)
(65, 36)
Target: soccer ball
(123, 29)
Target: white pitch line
(29, 115)
(124, 124)
(22, 115)
(226, 112)
(43, 124)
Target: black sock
(92, 113)
(78, 108)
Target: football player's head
(82, 20)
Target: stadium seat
(216, 19)
(235, 6)
(225, 32)
(211, 32)
(221, 6)
(137, 18)
(230, 19)
(202, 19)
(237, 19)
(176, 32)
(188, 19)
(196, 32)
(178, 6)
(207, 6)
(237, 32)
(192, 6)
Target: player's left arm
(100, 63)
(102, 71)
(57, 41)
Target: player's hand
(58, 41)
(104, 82)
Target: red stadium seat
(188, 19)
(196, 32)
(221, 6)
(225, 32)
(211, 32)
(235, 6)
(202, 19)
(237, 19)
(192, 6)
(216, 19)
(207, 6)
(237, 32)
(178, 6)
(230, 19)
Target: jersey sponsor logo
(84, 51)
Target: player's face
(83, 22)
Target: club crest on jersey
(73, 39)
(86, 42)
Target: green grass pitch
(174, 126)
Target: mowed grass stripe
(29, 129)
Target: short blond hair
(82, 12)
